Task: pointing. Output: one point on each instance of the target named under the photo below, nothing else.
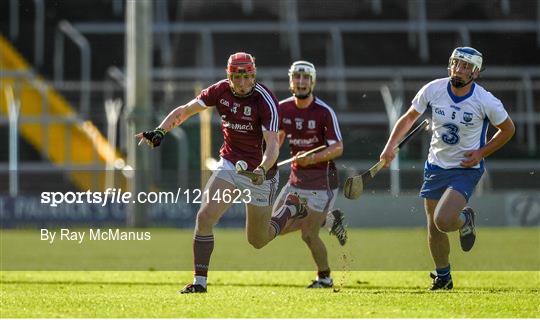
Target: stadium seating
(361, 49)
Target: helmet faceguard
(305, 68)
(241, 65)
(470, 56)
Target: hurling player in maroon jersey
(250, 123)
(308, 122)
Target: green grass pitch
(500, 289)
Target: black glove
(154, 137)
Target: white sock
(329, 221)
(326, 280)
(463, 218)
(200, 280)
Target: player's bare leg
(438, 242)
(262, 227)
(451, 215)
(292, 224)
(203, 241)
(447, 213)
(258, 230)
(333, 221)
(211, 211)
(439, 247)
(310, 235)
(296, 224)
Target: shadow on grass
(363, 287)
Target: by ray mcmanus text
(80, 236)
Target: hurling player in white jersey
(308, 123)
(461, 112)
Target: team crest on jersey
(467, 116)
(247, 110)
(299, 123)
(311, 124)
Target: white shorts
(261, 196)
(317, 200)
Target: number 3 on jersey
(451, 135)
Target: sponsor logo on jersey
(238, 126)
(225, 102)
(303, 142)
(311, 124)
(439, 111)
(467, 116)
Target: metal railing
(66, 29)
(417, 27)
(44, 119)
(39, 27)
(527, 118)
(334, 29)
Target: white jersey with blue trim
(459, 124)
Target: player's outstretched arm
(506, 130)
(172, 120)
(181, 114)
(402, 126)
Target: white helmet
(305, 67)
(467, 54)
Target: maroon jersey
(306, 129)
(243, 121)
